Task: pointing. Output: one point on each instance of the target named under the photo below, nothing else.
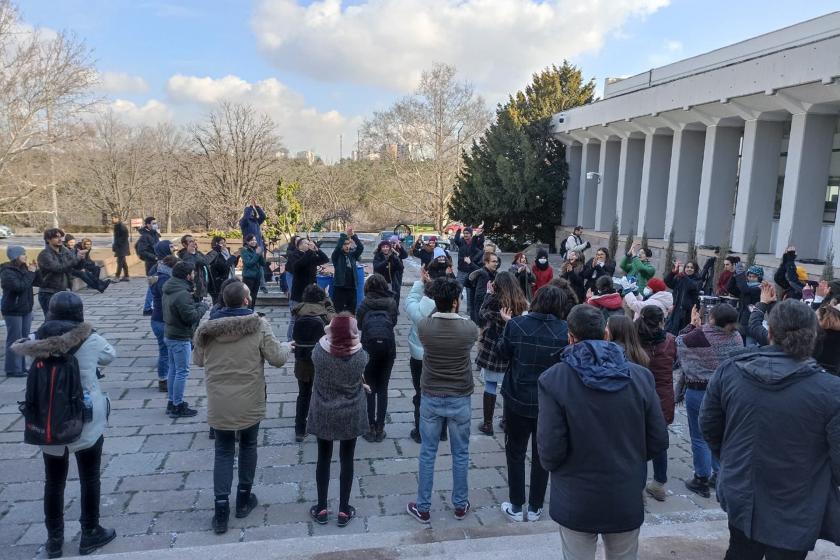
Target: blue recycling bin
(326, 282)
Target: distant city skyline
(320, 68)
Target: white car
(6, 231)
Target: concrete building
(741, 143)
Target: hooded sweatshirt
(608, 302)
(663, 300)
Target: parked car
(6, 231)
(327, 240)
(442, 241)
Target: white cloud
(671, 50)
(150, 113)
(302, 127)
(120, 82)
(498, 43)
(673, 46)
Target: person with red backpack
(377, 317)
(67, 412)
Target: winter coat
(17, 281)
(310, 320)
(575, 279)
(480, 279)
(686, 295)
(181, 312)
(304, 268)
(723, 283)
(662, 352)
(525, 278)
(599, 423)
(390, 267)
(340, 261)
(787, 279)
(251, 222)
(418, 307)
(532, 343)
(253, 263)
(474, 250)
(774, 422)
(233, 350)
(641, 270)
(59, 337)
(145, 246)
(591, 272)
(662, 300)
(338, 409)
(376, 301)
(156, 283)
(120, 246)
(702, 350)
(490, 316)
(426, 256)
(219, 269)
(55, 268)
(609, 304)
(202, 279)
(749, 295)
(827, 351)
(542, 276)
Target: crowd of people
(589, 367)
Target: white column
(570, 203)
(629, 183)
(717, 185)
(654, 191)
(608, 187)
(684, 183)
(757, 186)
(806, 179)
(588, 187)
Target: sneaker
(656, 490)
(461, 512)
(299, 438)
(381, 434)
(163, 387)
(169, 408)
(486, 428)
(517, 516)
(534, 514)
(16, 374)
(345, 518)
(699, 485)
(415, 435)
(183, 410)
(95, 538)
(125, 279)
(420, 516)
(104, 285)
(319, 515)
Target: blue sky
(319, 80)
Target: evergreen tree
(644, 241)
(628, 243)
(828, 269)
(668, 263)
(613, 243)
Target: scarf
(341, 337)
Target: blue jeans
(180, 352)
(660, 467)
(163, 352)
(704, 463)
(434, 411)
(150, 300)
(17, 327)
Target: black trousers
(254, 286)
(377, 374)
(225, 452)
(742, 547)
(88, 461)
(122, 266)
(518, 430)
(346, 451)
(302, 405)
(345, 300)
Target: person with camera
(387, 262)
(303, 264)
(346, 254)
(599, 266)
(56, 264)
(221, 265)
(572, 271)
(145, 249)
(685, 284)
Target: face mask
(542, 261)
(155, 227)
(647, 292)
(753, 284)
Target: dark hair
(792, 325)
(313, 293)
(234, 294)
(185, 237)
(437, 270)
(549, 300)
(182, 270)
(488, 256)
(227, 283)
(444, 291)
(586, 322)
(604, 285)
(249, 237)
(647, 252)
(650, 322)
(377, 284)
(68, 237)
(571, 296)
(725, 316)
(216, 240)
(53, 232)
(299, 241)
(829, 318)
(148, 220)
(606, 252)
(733, 259)
(623, 331)
(694, 264)
(509, 293)
(170, 260)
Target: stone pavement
(157, 472)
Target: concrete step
(676, 541)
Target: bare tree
(44, 88)
(237, 148)
(422, 137)
(172, 162)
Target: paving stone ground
(157, 472)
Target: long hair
(377, 284)
(650, 323)
(569, 293)
(509, 294)
(623, 332)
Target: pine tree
(628, 242)
(692, 249)
(751, 252)
(613, 243)
(644, 242)
(668, 263)
(828, 269)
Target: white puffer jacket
(663, 300)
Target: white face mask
(647, 292)
(542, 261)
(155, 227)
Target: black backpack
(563, 248)
(54, 407)
(378, 331)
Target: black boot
(245, 501)
(95, 538)
(55, 538)
(370, 435)
(699, 485)
(221, 515)
(489, 406)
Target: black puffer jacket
(304, 268)
(376, 301)
(145, 246)
(55, 268)
(591, 272)
(120, 246)
(17, 281)
(686, 295)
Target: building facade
(739, 144)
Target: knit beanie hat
(801, 273)
(438, 253)
(66, 306)
(656, 285)
(432, 238)
(14, 251)
(341, 337)
(393, 239)
(163, 249)
(757, 271)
